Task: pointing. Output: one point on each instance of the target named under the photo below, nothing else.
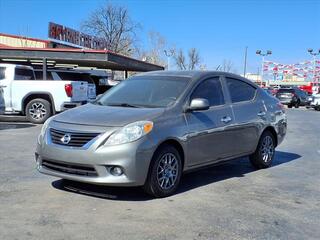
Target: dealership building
(67, 48)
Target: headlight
(130, 133)
(44, 129)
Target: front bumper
(92, 163)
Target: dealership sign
(69, 35)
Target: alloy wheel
(37, 111)
(267, 149)
(167, 171)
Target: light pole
(245, 62)
(314, 55)
(263, 55)
(169, 53)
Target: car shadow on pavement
(7, 126)
(232, 169)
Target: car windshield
(144, 92)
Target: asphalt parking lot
(231, 201)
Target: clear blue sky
(219, 29)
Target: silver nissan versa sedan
(151, 128)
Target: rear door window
(23, 74)
(240, 91)
(39, 75)
(211, 90)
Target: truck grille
(70, 168)
(71, 139)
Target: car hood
(107, 116)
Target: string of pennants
(305, 69)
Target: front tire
(164, 172)
(264, 154)
(297, 104)
(38, 110)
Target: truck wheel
(297, 104)
(264, 154)
(289, 106)
(38, 110)
(164, 172)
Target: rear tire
(289, 106)
(264, 154)
(164, 172)
(297, 104)
(38, 110)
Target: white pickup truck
(38, 99)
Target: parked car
(151, 128)
(315, 102)
(70, 75)
(38, 99)
(292, 96)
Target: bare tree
(194, 58)
(114, 25)
(226, 66)
(180, 60)
(155, 53)
(193, 61)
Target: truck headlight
(130, 133)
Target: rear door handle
(226, 119)
(261, 114)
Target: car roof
(194, 74)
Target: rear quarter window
(240, 91)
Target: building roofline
(24, 37)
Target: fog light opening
(116, 171)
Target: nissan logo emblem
(66, 138)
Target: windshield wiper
(123, 105)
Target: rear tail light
(68, 89)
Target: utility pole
(314, 55)
(263, 54)
(245, 62)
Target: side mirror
(198, 104)
(98, 96)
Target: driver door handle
(226, 119)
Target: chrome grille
(77, 139)
(70, 168)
